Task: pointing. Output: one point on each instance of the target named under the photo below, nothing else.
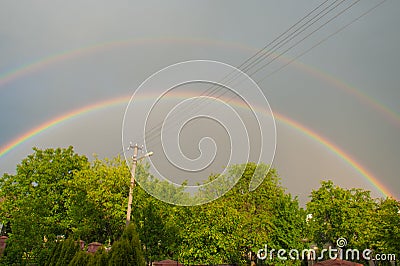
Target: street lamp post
(132, 184)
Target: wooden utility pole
(132, 184)
(135, 159)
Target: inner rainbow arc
(282, 118)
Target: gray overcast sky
(105, 49)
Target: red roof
(337, 262)
(166, 263)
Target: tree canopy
(56, 192)
(34, 200)
(364, 222)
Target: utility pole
(132, 184)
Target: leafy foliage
(127, 250)
(34, 199)
(156, 223)
(80, 258)
(227, 229)
(352, 214)
(68, 250)
(57, 192)
(55, 254)
(384, 228)
(97, 200)
(337, 213)
(100, 258)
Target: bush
(100, 258)
(55, 254)
(63, 252)
(127, 250)
(12, 254)
(80, 258)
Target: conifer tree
(68, 251)
(81, 258)
(127, 250)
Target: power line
(288, 39)
(267, 52)
(254, 60)
(308, 35)
(323, 40)
(154, 133)
(260, 56)
(213, 89)
(298, 31)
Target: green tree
(384, 228)
(98, 199)
(271, 216)
(55, 254)
(127, 250)
(100, 258)
(120, 253)
(34, 199)
(163, 189)
(158, 232)
(155, 220)
(340, 213)
(45, 254)
(209, 234)
(80, 258)
(366, 223)
(68, 251)
(12, 255)
(241, 221)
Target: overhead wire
(262, 54)
(305, 37)
(213, 88)
(255, 59)
(290, 37)
(321, 41)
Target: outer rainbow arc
(395, 118)
(52, 59)
(338, 151)
(120, 100)
(25, 69)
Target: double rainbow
(26, 69)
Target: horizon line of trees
(58, 192)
